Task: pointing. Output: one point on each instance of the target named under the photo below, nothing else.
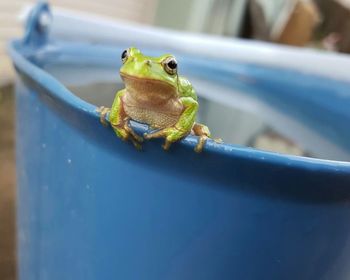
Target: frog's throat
(146, 89)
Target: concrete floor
(7, 186)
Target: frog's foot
(131, 132)
(103, 113)
(202, 131)
(125, 132)
(218, 140)
(171, 135)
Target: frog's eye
(125, 55)
(170, 65)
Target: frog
(156, 95)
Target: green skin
(157, 96)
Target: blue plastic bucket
(92, 207)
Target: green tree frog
(156, 95)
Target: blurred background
(321, 24)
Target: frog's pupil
(124, 54)
(172, 64)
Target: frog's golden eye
(125, 55)
(170, 65)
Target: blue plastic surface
(92, 207)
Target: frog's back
(186, 89)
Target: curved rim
(59, 92)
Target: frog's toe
(132, 133)
(126, 136)
(134, 138)
(201, 142)
(166, 145)
(218, 140)
(103, 113)
(136, 144)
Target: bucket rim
(59, 92)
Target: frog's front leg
(181, 128)
(120, 121)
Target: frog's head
(152, 77)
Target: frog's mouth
(148, 90)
